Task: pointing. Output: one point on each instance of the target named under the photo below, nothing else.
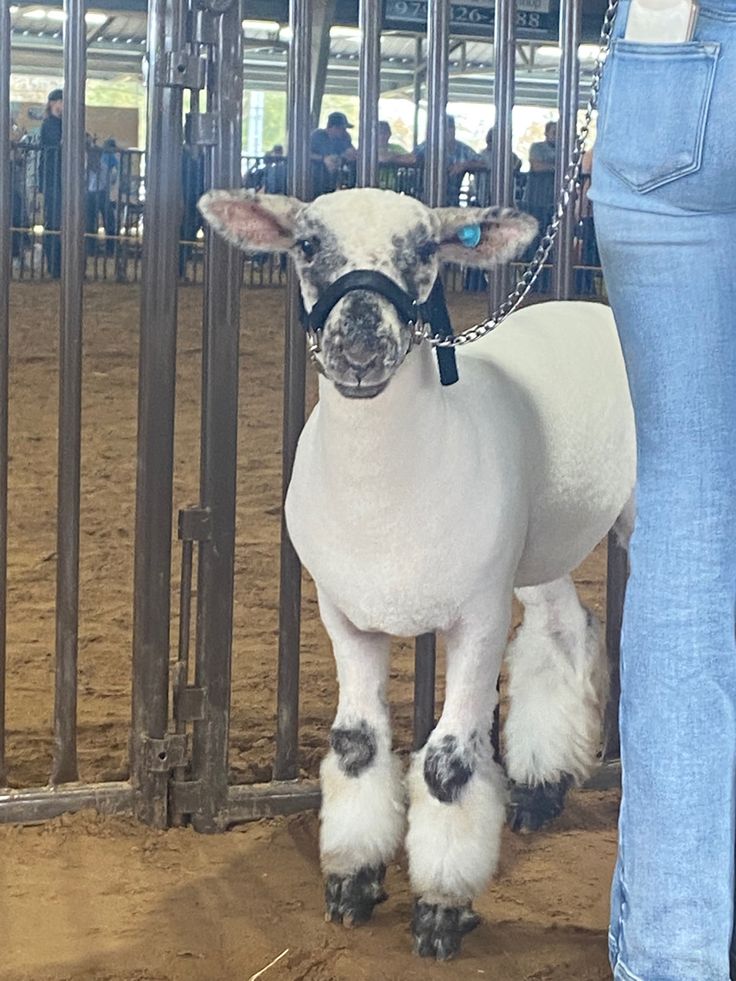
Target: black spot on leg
(449, 766)
(355, 748)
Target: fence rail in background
(115, 194)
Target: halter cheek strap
(433, 312)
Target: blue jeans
(664, 192)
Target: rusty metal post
(435, 193)
(157, 377)
(286, 763)
(502, 171)
(570, 28)
(220, 378)
(70, 395)
(369, 20)
(616, 575)
(6, 213)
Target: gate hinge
(202, 128)
(186, 796)
(189, 703)
(165, 754)
(184, 70)
(195, 524)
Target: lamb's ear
(253, 222)
(483, 237)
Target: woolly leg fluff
(558, 682)
(363, 808)
(362, 818)
(457, 796)
(453, 847)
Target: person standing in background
(50, 180)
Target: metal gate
(179, 744)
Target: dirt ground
(89, 897)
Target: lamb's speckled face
(364, 341)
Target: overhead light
(14, 9)
(285, 34)
(345, 33)
(96, 18)
(271, 26)
(57, 15)
(34, 14)
(549, 51)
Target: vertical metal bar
(70, 396)
(502, 171)
(418, 49)
(616, 575)
(369, 22)
(157, 376)
(438, 67)
(286, 763)
(435, 193)
(6, 213)
(570, 27)
(220, 376)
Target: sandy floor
(89, 897)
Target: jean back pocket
(653, 111)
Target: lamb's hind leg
(457, 793)
(362, 815)
(558, 680)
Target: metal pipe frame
(65, 768)
(617, 572)
(502, 171)
(42, 804)
(286, 763)
(220, 381)
(369, 23)
(435, 193)
(438, 37)
(6, 214)
(156, 392)
(570, 30)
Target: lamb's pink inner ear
(248, 222)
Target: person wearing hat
(50, 180)
(330, 148)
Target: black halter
(433, 312)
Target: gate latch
(167, 753)
(184, 70)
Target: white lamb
(418, 508)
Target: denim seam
(622, 973)
(723, 15)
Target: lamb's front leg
(457, 791)
(363, 812)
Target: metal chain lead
(532, 271)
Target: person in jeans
(665, 212)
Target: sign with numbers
(533, 18)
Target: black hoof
(438, 930)
(534, 807)
(350, 899)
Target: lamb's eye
(309, 247)
(426, 250)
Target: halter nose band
(433, 312)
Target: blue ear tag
(469, 235)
